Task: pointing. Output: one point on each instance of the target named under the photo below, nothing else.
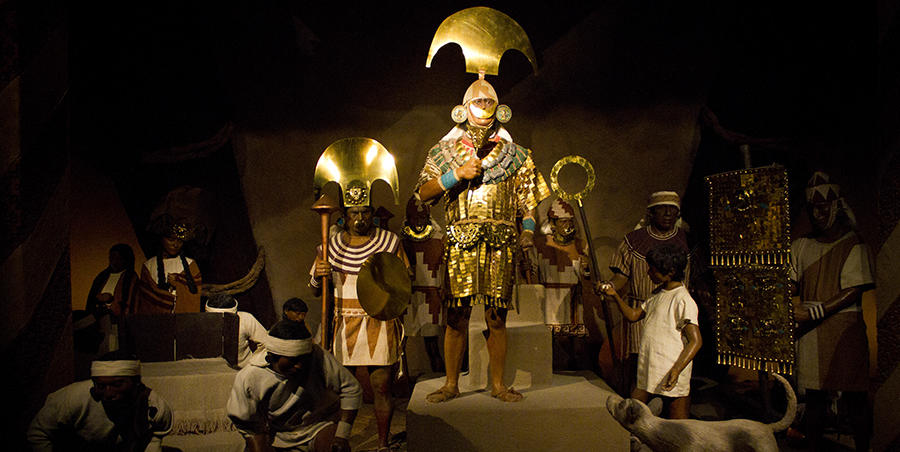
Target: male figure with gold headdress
(483, 178)
(360, 339)
(424, 246)
(831, 270)
(629, 266)
(113, 411)
(170, 281)
(561, 259)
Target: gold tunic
(481, 216)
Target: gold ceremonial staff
(577, 197)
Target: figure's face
(295, 316)
(564, 226)
(117, 262)
(664, 216)
(172, 246)
(481, 111)
(819, 214)
(115, 391)
(359, 220)
(292, 366)
(657, 276)
(418, 221)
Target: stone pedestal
(529, 355)
(569, 414)
(560, 412)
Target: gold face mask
(483, 108)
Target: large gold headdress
(355, 163)
(484, 34)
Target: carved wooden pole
(325, 206)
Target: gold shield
(383, 286)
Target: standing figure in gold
(483, 178)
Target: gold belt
(468, 234)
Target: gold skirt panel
(482, 273)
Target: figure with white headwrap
(560, 258)
(662, 225)
(423, 242)
(113, 411)
(250, 331)
(831, 270)
(296, 397)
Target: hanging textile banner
(750, 250)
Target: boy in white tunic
(671, 336)
(296, 398)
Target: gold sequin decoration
(750, 251)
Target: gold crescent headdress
(355, 163)
(484, 34)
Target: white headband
(289, 347)
(116, 368)
(232, 309)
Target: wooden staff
(325, 206)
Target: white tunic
(667, 313)
(71, 416)
(250, 330)
(294, 410)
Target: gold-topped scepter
(577, 197)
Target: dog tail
(791, 410)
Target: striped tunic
(360, 340)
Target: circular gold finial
(578, 160)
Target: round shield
(383, 286)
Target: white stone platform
(560, 412)
(567, 415)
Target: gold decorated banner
(749, 255)
(755, 318)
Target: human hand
(171, 278)
(323, 269)
(605, 288)
(671, 379)
(470, 170)
(801, 313)
(526, 239)
(340, 445)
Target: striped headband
(664, 198)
